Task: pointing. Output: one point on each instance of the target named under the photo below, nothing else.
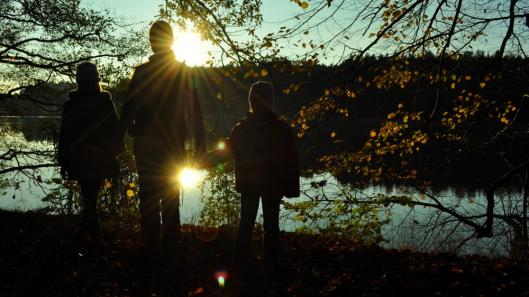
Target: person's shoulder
(284, 128)
(282, 124)
(106, 95)
(240, 127)
(142, 66)
(72, 96)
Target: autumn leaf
(373, 134)
(107, 184)
(304, 5)
(264, 72)
(130, 193)
(351, 94)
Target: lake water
(408, 227)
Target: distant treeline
(379, 85)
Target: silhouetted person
(266, 167)
(88, 143)
(161, 113)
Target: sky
(143, 12)
(146, 10)
(275, 13)
(136, 10)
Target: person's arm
(129, 109)
(115, 137)
(64, 141)
(292, 163)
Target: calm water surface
(19, 192)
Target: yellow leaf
(373, 134)
(333, 134)
(482, 84)
(405, 119)
(391, 115)
(304, 5)
(401, 105)
(264, 72)
(130, 193)
(468, 77)
(453, 85)
(107, 184)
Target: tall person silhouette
(88, 143)
(161, 113)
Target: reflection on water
(23, 190)
(415, 227)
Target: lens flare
(221, 145)
(221, 280)
(221, 277)
(190, 177)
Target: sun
(189, 48)
(190, 177)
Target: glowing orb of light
(190, 48)
(221, 281)
(221, 277)
(189, 177)
(221, 145)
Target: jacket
(266, 157)
(88, 138)
(162, 109)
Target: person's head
(161, 36)
(261, 96)
(87, 77)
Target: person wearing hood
(88, 143)
(266, 168)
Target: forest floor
(39, 258)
